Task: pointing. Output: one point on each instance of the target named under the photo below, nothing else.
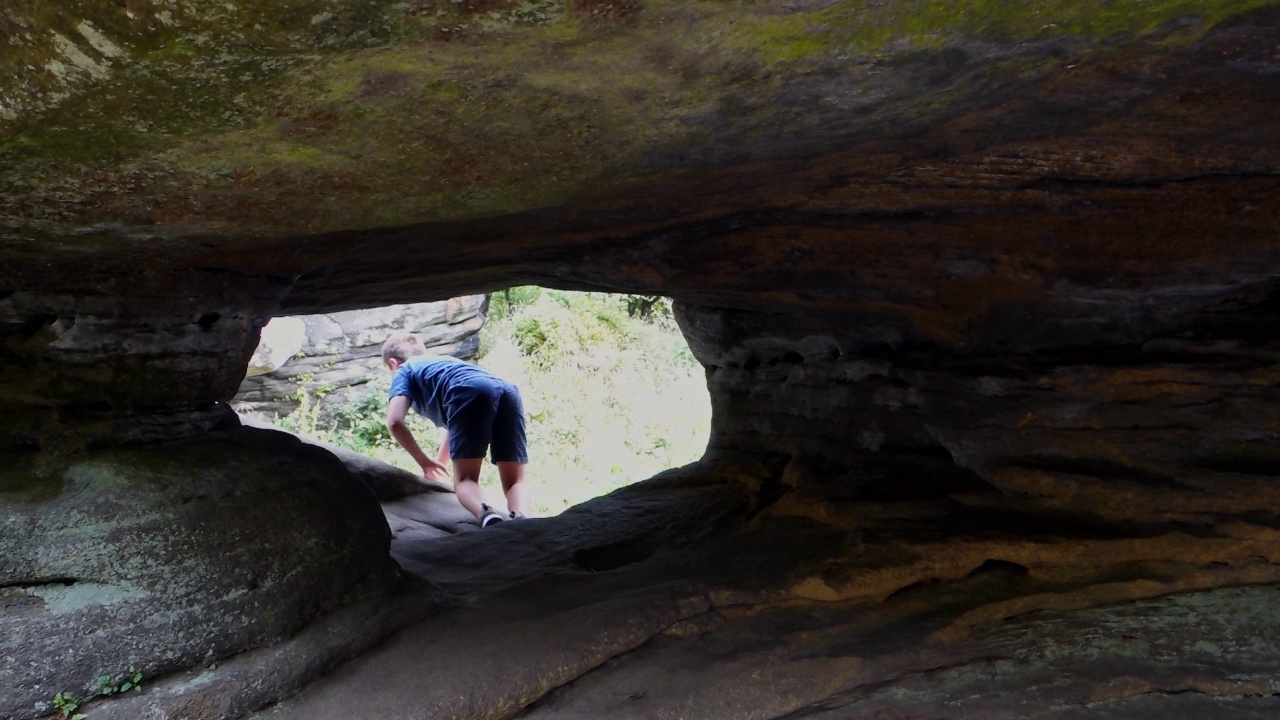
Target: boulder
(386, 482)
(168, 556)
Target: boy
(476, 409)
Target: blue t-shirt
(426, 381)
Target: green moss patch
(314, 115)
(874, 27)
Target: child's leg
(509, 452)
(466, 483)
(513, 486)
(471, 412)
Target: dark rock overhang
(831, 154)
(987, 296)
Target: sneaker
(488, 516)
(517, 515)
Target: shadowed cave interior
(988, 302)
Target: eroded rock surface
(987, 294)
(339, 353)
(168, 556)
(718, 595)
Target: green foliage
(502, 304)
(578, 329)
(613, 396)
(361, 425)
(66, 704)
(123, 682)
(358, 425)
(531, 335)
(305, 420)
(647, 307)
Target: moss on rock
(308, 116)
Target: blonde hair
(402, 347)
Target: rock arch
(988, 306)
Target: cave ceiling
(951, 167)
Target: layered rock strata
(144, 357)
(734, 589)
(987, 297)
(340, 353)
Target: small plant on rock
(131, 679)
(66, 704)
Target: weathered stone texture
(146, 357)
(166, 556)
(342, 351)
(1190, 403)
(781, 600)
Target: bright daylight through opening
(612, 393)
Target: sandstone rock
(142, 364)
(826, 607)
(384, 481)
(257, 678)
(339, 353)
(425, 516)
(167, 556)
(987, 296)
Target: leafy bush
(502, 304)
(612, 398)
(361, 425)
(358, 425)
(531, 336)
(646, 307)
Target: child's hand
(433, 470)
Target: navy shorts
(486, 414)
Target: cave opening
(612, 393)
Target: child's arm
(442, 457)
(397, 410)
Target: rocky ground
(723, 592)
